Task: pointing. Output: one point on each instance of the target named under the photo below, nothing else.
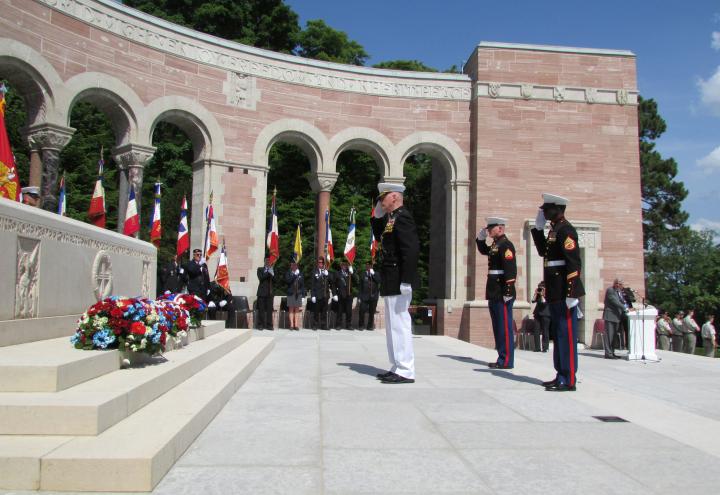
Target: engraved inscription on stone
(26, 283)
(102, 276)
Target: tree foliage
(411, 65)
(321, 42)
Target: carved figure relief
(26, 282)
(591, 95)
(622, 96)
(559, 93)
(145, 291)
(526, 91)
(494, 89)
(102, 275)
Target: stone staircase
(73, 420)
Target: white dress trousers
(398, 331)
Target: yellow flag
(298, 245)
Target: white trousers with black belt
(398, 331)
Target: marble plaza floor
(313, 419)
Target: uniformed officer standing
(319, 293)
(394, 226)
(343, 287)
(197, 276)
(369, 292)
(563, 286)
(265, 297)
(500, 288)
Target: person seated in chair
(221, 299)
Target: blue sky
(677, 45)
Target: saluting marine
(500, 288)
(563, 286)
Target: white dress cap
(554, 199)
(496, 220)
(388, 187)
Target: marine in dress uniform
(394, 226)
(265, 297)
(563, 286)
(319, 294)
(369, 292)
(500, 288)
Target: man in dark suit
(563, 285)
(613, 314)
(500, 288)
(541, 314)
(319, 294)
(265, 298)
(172, 277)
(395, 227)
(369, 292)
(343, 287)
(197, 276)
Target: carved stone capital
(132, 155)
(46, 136)
(323, 181)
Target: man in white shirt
(708, 336)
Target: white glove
(313, 299)
(181, 271)
(211, 304)
(297, 272)
(272, 272)
(335, 298)
(540, 220)
(303, 302)
(405, 289)
(506, 298)
(223, 303)
(482, 235)
(325, 272)
(207, 293)
(571, 302)
(378, 213)
(372, 272)
(167, 292)
(350, 270)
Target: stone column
(321, 183)
(201, 188)
(50, 139)
(130, 159)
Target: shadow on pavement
(511, 376)
(464, 359)
(363, 369)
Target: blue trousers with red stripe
(502, 323)
(565, 357)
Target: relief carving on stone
(26, 282)
(526, 91)
(102, 276)
(240, 90)
(494, 89)
(590, 95)
(559, 93)
(145, 291)
(622, 96)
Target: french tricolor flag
(155, 224)
(62, 202)
(132, 219)
(273, 237)
(329, 251)
(183, 241)
(350, 243)
(373, 242)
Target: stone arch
(436, 145)
(196, 121)
(367, 140)
(300, 133)
(116, 99)
(36, 79)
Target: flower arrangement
(131, 324)
(195, 306)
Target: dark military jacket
(562, 263)
(502, 268)
(198, 278)
(399, 250)
(369, 286)
(295, 283)
(170, 278)
(320, 287)
(343, 284)
(265, 287)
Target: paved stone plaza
(313, 419)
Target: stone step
(93, 406)
(14, 332)
(53, 365)
(134, 454)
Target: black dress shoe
(397, 379)
(502, 367)
(384, 375)
(561, 387)
(492, 365)
(550, 383)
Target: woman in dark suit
(295, 293)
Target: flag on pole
(183, 240)
(222, 275)
(329, 252)
(373, 242)
(155, 224)
(62, 203)
(132, 218)
(297, 249)
(96, 212)
(350, 243)
(273, 238)
(9, 180)
(211, 235)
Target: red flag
(96, 212)
(9, 180)
(155, 224)
(222, 275)
(132, 219)
(183, 241)
(273, 238)
(329, 251)
(350, 243)
(211, 235)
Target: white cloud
(715, 40)
(710, 91)
(705, 224)
(711, 161)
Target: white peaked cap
(388, 187)
(554, 199)
(496, 220)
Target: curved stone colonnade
(495, 132)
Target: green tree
(321, 42)
(15, 120)
(266, 24)
(411, 65)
